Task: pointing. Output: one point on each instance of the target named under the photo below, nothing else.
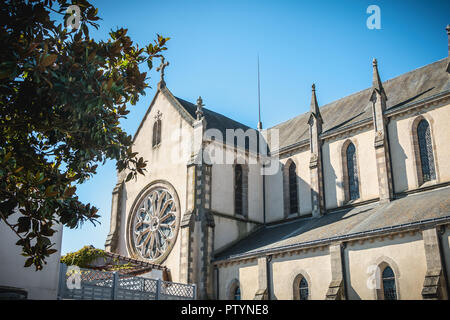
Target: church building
(350, 200)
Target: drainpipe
(442, 254)
(264, 197)
(390, 157)
(344, 270)
(216, 270)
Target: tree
(62, 95)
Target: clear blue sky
(213, 52)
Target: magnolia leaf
(48, 60)
(29, 262)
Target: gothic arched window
(293, 194)
(238, 188)
(352, 172)
(156, 139)
(389, 289)
(426, 151)
(303, 289)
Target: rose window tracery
(155, 224)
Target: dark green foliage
(62, 95)
(83, 257)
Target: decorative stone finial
(161, 68)
(377, 85)
(199, 111)
(314, 107)
(376, 82)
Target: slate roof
(415, 208)
(409, 87)
(218, 121)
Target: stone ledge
(335, 290)
(432, 285)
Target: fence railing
(86, 284)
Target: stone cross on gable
(161, 68)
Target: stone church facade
(348, 201)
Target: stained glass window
(156, 139)
(293, 195)
(237, 293)
(352, 170)
(426, 151)
(389, 290)
(238, 189)
(303, 289)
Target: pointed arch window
(426, 151)
(352, 172)
(156, 138)
(238, 189)
(237, 293)
(293, 189)
(389, 288)
(303, 289)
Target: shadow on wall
(398, 160)
(351, 292)
(330, 188)
(286, 278)
(271, 285)
(304, 202)
(122, 245)
(352, 295)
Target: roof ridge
(214, 112)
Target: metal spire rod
(259, 100)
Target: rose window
(154, 225)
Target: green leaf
(7, 157)
(18, 170)
(28, 262)
(24, 224)
(129, 177)
(48, 60)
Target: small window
(293, 193)
(389, 289)
(303, 289)
(237, 293)
(426, 151)
(156, 139)
(238, 182)
(352, 171)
